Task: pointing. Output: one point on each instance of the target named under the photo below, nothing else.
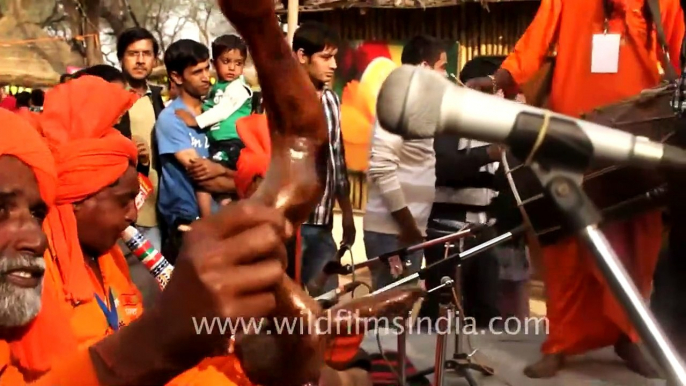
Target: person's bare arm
(343, 191)
(204, 202)
(528, 54)
(212, 177)
(221, 184)
(186, 157)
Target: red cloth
(255, 156)
(77, 122)
(9, 103)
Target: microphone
(333, 267)
(419, 103)
(335, 294)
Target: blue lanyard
(110, 315)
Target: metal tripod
(451, 319)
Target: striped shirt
(337, 184)
(471, 196)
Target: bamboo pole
(293, 8)
(463, 37)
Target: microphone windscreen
(409, 102)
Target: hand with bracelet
(500, 80)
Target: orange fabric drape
(77, 123)
(30, 117)
(76, 369)
(9, 375)
(255, 156)
(254, 162)
(582, 312)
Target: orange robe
(75, 369)
(87, 320)
(582, 312)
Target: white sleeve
(383, 167)
(234, 97)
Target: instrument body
(648, 114)
(294, 184)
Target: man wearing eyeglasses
(137, 51)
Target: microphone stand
(450, 320)
(460, 361)
(454, 259)
(338, 268)
(581, 216)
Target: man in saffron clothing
(583, 313)
(97, 186)
(139, 354)
(87, 291)
(87, 285)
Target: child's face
(229, 65)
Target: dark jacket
(459, 169)
(124, 126)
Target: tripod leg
(445, 313)
(402, 357)
(485, 370)
(469, 377)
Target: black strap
(156, 99)
(654, 9)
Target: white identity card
(605, 53)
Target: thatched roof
(38, 62)
(327, 5)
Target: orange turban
(19, 139)
(77, 122)
(254, 159)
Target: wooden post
(293, 8)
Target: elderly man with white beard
(238, 238)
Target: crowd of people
(77, 304)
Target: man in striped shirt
(315, 46)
